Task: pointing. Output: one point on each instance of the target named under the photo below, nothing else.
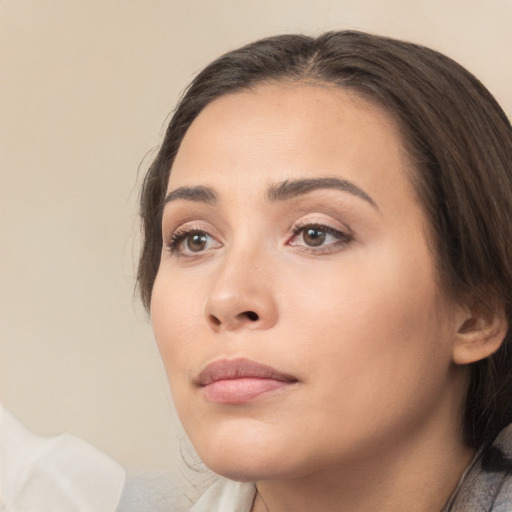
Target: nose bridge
(242, 292)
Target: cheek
(174, 312)
(371, 313)
(374, 345)
(176, 307)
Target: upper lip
(225, 369)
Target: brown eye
(319, 238)
(196, 242)
(314, 236)
(190, 242)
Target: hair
(458, 139)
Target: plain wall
(85, 89)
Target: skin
(373, 421)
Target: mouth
(239, 381)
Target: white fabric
(226, 496)
(58, 474)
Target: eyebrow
(292, 188)
(284, 191)
(199, 193)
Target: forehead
(286, 131)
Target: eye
(187, 242)
(318, 236)
(314, 236)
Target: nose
(242, 295)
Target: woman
(327, 264)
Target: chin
(257, 462)
(244, 455)
(244, 468)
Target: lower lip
(239, 391)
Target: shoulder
(487, 486)
(226, 496)
(59, 473)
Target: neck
(417, 475)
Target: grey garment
(150, 491)
(487, 484)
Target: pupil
(196, 242)
(314, 237)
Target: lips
(239, 381)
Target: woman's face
(296, 305)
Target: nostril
(244, 316)
(214, 320)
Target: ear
(480, 332)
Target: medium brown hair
(457, 136)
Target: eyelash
(342, 239)
(180, 235)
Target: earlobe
(479, 335)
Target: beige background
(85, 88)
